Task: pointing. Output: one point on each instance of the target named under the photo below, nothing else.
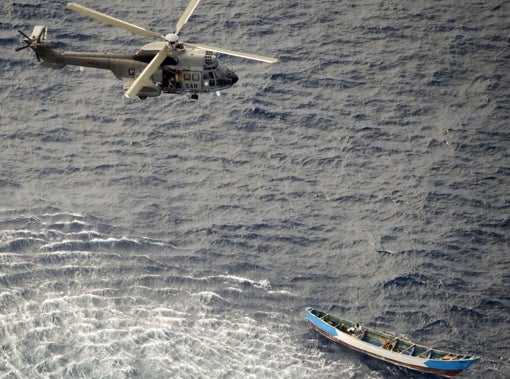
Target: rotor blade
(112, 20)
(22, 47)
(256, 57)
(186, 15)
(40, 37)
(151, 68)
(24, 35)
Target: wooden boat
(386, 347)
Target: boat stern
(315, 319)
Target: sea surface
(367, 173)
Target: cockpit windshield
(218, 76)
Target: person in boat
(357, 330)
(387, 345)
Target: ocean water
(366, 174)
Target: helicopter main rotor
(171, 39)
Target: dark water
(366, 174)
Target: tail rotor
(38, 36)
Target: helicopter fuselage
(166, 66)
(185, 70)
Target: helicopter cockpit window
(209, 78)
(187, 76)
(195, 77)
(220, 71)
(222, 77)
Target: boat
(387, 347)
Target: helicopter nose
(232, 76)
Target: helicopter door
(192, 81)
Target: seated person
(355, 330)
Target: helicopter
(164, 66)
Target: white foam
(186, 338)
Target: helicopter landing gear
(142, 97)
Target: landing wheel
(194, 96)
(142, 97)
